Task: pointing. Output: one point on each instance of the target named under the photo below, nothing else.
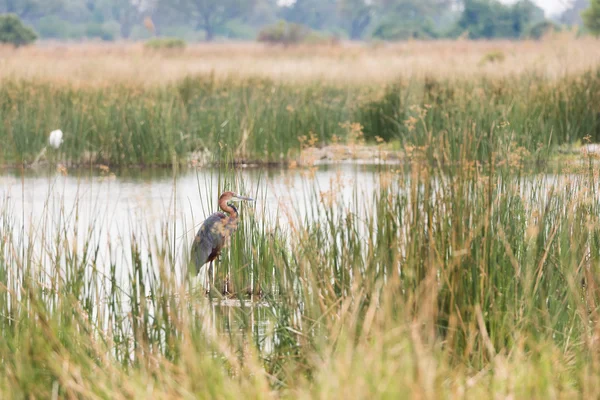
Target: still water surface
(107, 209)
(111, 207)
(117, 205)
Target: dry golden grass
(98, 64)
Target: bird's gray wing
(208, 240)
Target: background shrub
(13, 31)
(537, 31)
(284, 33)
(165, 44)
(97, 31)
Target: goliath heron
(213, 234)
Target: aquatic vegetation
(454, 281)
(262, 121)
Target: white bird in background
(56, 138)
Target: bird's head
(230, 197)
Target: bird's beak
(241, 198)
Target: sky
(551, 7)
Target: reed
(208, 120)
(478, 280)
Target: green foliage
(538, 119)
(539, 30)
(393, 30)
(407, 19)
(98, 31)
(284, 33)
(288, 33)
(56, 28)
(492, 57)
(212, 15)
(30, 9)
(591, 17)
(316, 14)
(356, 16)
(148, 125)
(53, 27)
(126, 14)
(14, 32)
(572, 15)
(236, 29)
(487, 19)
(264, 13)
(165, 43)
(242, 19)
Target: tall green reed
(261, 120)
(441, 274)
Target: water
(109, 208)
(117, 205)
(106, 209)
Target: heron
(214, 233)
(56, 138)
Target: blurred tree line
(247, 19)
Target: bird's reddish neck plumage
(227, 208)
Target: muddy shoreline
(336, 154)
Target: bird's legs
(211, 274)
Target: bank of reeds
(263, 120)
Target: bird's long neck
(229, 209)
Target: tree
(488, 19)
(264, 13)
(522, 14)
(285, 33)
(356, 16)
(572, 15)
(403, 19)
(13, 31)
(210, 15)
(316, 14)
(163, 15)
(538, 30)
(591, 17)
(29, 9)
(128, 12)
